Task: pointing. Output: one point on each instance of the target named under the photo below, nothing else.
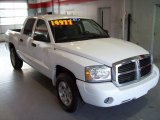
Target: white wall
(142, 22)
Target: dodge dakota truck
(82, 60)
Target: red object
(50, 3)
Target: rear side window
(29, 26)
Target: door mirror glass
(41, 37)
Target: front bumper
(107, 94)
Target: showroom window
(13, 13)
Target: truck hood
(105, 51)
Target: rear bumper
(107, 94)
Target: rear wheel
(17, 63)
(67, 92)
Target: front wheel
(67, 92)
(17, 63)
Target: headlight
(98, 73)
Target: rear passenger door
(25, 40)
(40, 47)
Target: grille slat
(145, 61)
(127, 77)
(145, 70)
(127, 67)
(133, 69)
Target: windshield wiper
(96, 36)
(80, 38)
(70, 39)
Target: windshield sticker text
(61, 22)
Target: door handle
(21, 40)
(33, 44)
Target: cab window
(29, 26)
(41, 32)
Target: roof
(53, 17)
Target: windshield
(75, 29)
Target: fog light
(108, 100)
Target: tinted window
(90, 27)
(41, 32)
(29, 26)
(75, 29)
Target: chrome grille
(131, 70)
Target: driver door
(40, 47)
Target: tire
(67, 92)
(17, 63)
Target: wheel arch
(61, 69)
(10, 45)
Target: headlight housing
(98, 73)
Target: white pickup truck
(83, 62)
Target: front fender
(74, 63)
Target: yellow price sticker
(61, 22)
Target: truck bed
(16, 30)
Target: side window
(41, 32)
(91, 28)
(29, 26)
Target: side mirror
(41, 37)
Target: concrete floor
(28, 95)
